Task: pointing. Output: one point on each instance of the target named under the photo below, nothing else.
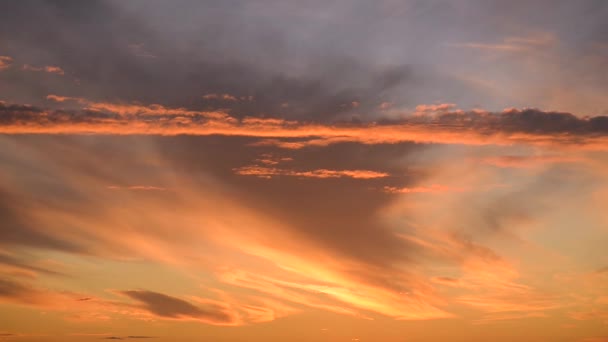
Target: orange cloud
(57, 98)
(176, 115)
(435, 188)
(137, 187)
(5, 62)
(443, 107)
(385, 105)
(49, 68)
(269, 159)
(529, 161)
(224, 97)
(527, 126)
(268, 172)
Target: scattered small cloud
(222, 97)
(5, 62)
(269, 172)
(49, 68)
(434, 188)
(57, 98)
(385, 105)
(430, 108)
(126, 337)
(140, 50)
(137, 187)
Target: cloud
(385, 106)
(16, 230)
(528, 126)
(174, 308)
(602, 270)
(542, 40)
(5, 62)
(223, 97)
(137, 187)
(49, 69)
(126, 337)
(19, 293)
(515, 161)
(594, 339)
(268, 172)
(443, 107)
(435, 188)
(136, 169)
(280, 239)
(21, 267)
(57, 98)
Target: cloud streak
(48, 68)
(268, 172)
(166, 306)
(529, 126)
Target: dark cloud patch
(602, 270)
(25, 113)
(8, 260)
(171, 307)
(10, 289)
(531, 121)
(139, 336)
(126, 337)
(17, 292)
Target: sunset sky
(277, 170)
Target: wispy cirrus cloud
(514, 161)
(542, 40)
(434, 188)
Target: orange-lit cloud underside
(512, 126)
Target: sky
(332, 171)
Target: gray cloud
(170, 307)
(30, 119)
(126, 337)
(316, 58)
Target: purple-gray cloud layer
(310, 60)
